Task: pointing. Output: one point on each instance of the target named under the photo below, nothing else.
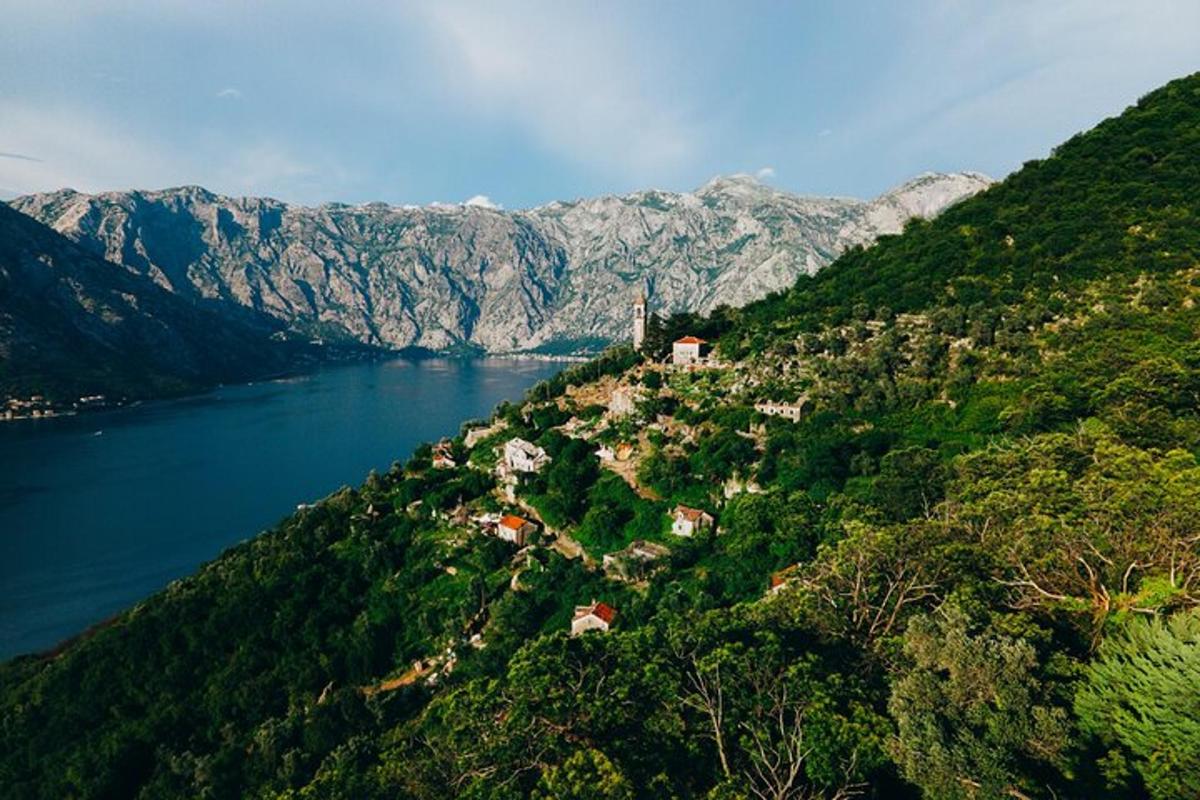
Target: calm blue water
(101, 510)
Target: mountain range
(73, 324)
(467, 278)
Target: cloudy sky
(522, 103)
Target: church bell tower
(639, 320)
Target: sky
(519, 103)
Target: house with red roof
(689, 521)
(594, 617)
(781, 579)
(443, 455)
(688, 351)
(517, 530)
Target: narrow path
(627, 470)
(408, 678)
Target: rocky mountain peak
(473, 277)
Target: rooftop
(601, 610)
(690, 514)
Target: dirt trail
(627, 470)
(408, 678)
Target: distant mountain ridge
(73, 324)
(468, 278)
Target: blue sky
(524, 103)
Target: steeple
(639, 319)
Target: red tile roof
(604, 612)
(690, 514)
(690, 340)
(513, 522)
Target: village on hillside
(654, 448)
(636, 462)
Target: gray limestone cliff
(557, 278)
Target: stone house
(789, 411)
(522, 456)
(623, 401)
(633, 562)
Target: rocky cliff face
(73, 324)
(558, 277)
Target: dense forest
(74, 325)
(970, 569)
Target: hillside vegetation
(74, 325)
(970, 570)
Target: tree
(570, 474)
(910, 482)
(585, 775)
(1140, 698)
(974, 719)
(784, 723)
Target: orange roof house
(517, 530)
(688, 350)
(594, 617)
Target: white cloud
(765, 173)
(482, 201)
(1016, 78)
(230, 93)
(570, 78)
(77, 150)
(93, 153)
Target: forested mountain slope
(73, 324)
(468, 278)
(970, 569)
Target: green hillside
(73, 324)
(970, 570)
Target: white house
(521, 456)
(517, 530)
(689, 521)
(443, 455)
(594, 617)
(687, 351)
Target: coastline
(40, 408)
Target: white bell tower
(639, 320)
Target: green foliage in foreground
(986, 531)
(1141, 699)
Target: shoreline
(50, 410)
